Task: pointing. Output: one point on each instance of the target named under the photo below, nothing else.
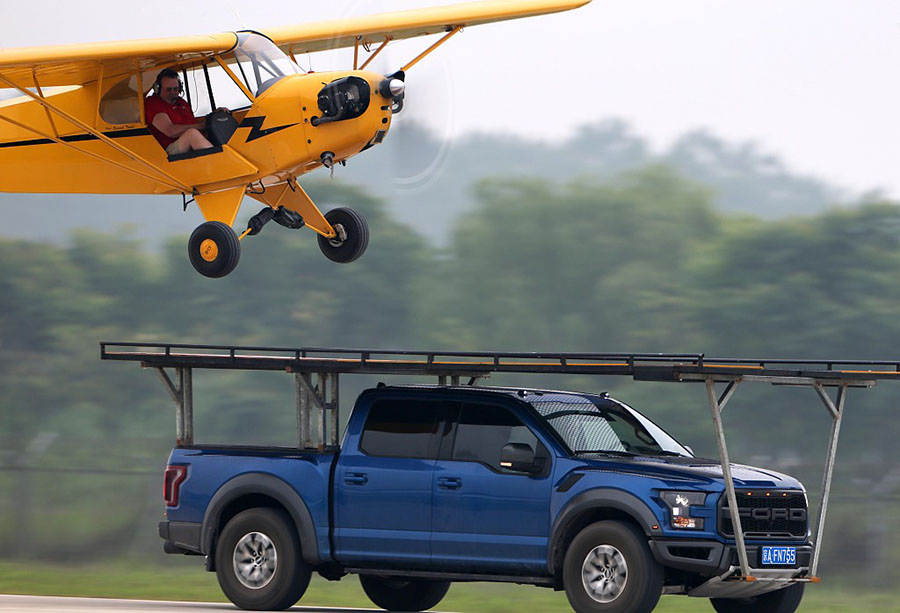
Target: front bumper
(714, 559)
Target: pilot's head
(168, 86)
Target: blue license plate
(781, 556)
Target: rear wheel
(609, 568)
(352, 236)
(258, 561)
(214, 249)
(785, 600)
(403, 594)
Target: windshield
(604, 427)
(260, 62)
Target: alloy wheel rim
(255, 560)
(604, 573)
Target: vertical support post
(187, 401)
(319, 390)
(183, 396)
(179, 408)
(454, 380)
(837, 413)
(715, 407)
(307, 416)
(304, 430)
(335, 410)
(298, 390)
(442, 379)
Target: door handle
(356, 478)
(449, 483)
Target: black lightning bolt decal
(256, 129)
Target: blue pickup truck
(436, 484)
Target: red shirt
(180, 113)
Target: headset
(167, 73)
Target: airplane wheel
(352, 236)
(214, 249)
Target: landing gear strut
(282, 216)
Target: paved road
(51, 604)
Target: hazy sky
(816, 82)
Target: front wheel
(608, 568)
(258, 561)
(351, 239)
(785, 600)
(214, 249)
(403, 594)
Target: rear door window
(406, 428)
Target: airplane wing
(375, 29)
(82, 63)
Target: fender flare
(267, 485)
(601, 498)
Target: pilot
(170, 119)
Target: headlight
(680, 504)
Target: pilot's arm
(162, 123)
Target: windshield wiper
(615, 452)
(666, 452)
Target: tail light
(175, 476)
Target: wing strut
(40, 92)
(432, 47)
(387, 39)
(102, 137)
(59, 141)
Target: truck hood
(680, 469)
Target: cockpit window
(260, 63)
(604, 427)
(121, 104)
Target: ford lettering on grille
(766, 514)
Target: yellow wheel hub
(209, 250)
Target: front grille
(767, 514)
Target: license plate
(781, 556)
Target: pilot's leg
(190, 140)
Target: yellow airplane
(81, 125)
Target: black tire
(403, 594)
(608, 567)
(214, 249)
(785, 600)
(278, 577)
(352, 239)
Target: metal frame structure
(326, 364)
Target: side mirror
(519, 457)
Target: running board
(523, 580)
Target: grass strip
(186, 580)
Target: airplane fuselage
(279, 135)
